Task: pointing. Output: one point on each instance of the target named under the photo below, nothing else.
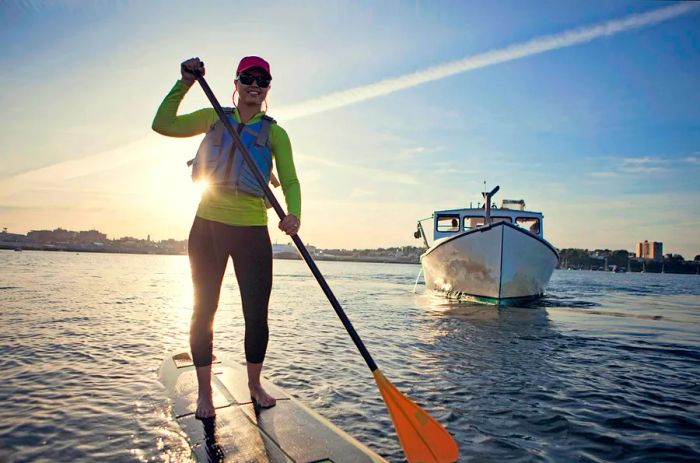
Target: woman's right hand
(190, 65)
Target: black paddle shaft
(280, 212)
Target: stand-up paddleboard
(241, 432)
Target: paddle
(423, 439)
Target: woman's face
(252, 93)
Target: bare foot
(259, 395)
(205, 406)
(205, 401)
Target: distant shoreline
(81, 248)
(78, 249)
(112, 249)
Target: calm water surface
(605, 368)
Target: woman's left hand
(290, 224)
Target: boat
(488, 254)
(285, 251)
(242, 430)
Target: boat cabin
(452, 221)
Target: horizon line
(359, 249)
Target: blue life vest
(222, 166)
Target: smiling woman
(231, 219)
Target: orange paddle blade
(422, 438)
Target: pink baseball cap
(250, 62)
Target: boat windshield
(473, 222)
(450, 223)
(478, 221)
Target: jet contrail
(512, 52)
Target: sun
(200, 186)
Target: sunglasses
(247, 79)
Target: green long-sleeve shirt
(221, 206)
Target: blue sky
(602, 135)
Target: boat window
(447, 223)
(473, 222)
(531, 223)
(478, 221)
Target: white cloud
(417, 150)
(604, 174)
(383, 175)
(644, 165)
(636, 165)
(693, 159)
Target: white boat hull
(497, 262)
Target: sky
(587, 110)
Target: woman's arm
(282, 150)
(167, 122)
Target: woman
(233, 222)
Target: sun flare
(200, 186)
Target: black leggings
(209, 247)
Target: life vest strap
(267, 121)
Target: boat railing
(420, 231)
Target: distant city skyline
(642, 249)
(589, 111)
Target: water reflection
(516, 379)
(496, 373)
(214, 452)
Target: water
(605, 368)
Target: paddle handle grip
(281, 214)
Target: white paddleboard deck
(287, 432)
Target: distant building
(11, 237)
(650, 250)
(58, 235)
(91, 236)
